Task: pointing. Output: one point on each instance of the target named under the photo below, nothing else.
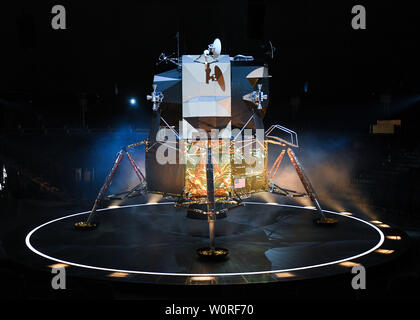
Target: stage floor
(156, 243)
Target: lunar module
(207, 147)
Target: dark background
(115, 44)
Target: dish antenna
(211, 54)
(215, 48)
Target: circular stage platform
(267, 242)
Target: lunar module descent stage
(203, 93)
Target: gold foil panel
(230, 168)
(195, 168)
(249, 176)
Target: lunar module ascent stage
(225, 98)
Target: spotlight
(349, 264)
(346, 213)
(133, 101)
(384, 251)
(285, 275)
(58, 266)
(203, 280)
(393, 237)
(118, 275)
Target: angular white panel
(226, 133)
(160, 79)
(261, 72)
(186, 130)
(207, 107)
(206, 92)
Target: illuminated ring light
(29, 245)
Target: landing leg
(211, 252)
(276, 164)
(89, 223)
(211, 220)
(211, 216)
(309, 189)
(135, 167)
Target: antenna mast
(177, 46)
